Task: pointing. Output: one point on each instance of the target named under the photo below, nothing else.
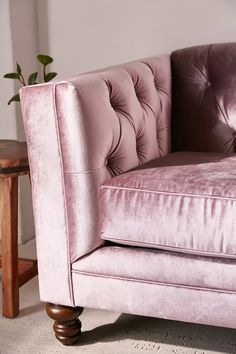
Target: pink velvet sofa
(134, 189)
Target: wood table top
(13, 157)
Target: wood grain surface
(13, 156)
(15, 272)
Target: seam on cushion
(135, 280)
(64, 194)
(168, 193)
(184, 250)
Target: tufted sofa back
(125, 112)
(92, 128)
(204, 98)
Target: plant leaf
(32, 78)
(50, 76)
(18, 68)
(15, 98)
(12, 76)
(44, 59)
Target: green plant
(44, 60)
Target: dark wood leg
(9, 261)
(67, 326)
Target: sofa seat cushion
(159, 266)
(185, 202)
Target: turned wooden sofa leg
(67, 326)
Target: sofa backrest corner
(204, 98)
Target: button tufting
(207, 83)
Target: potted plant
(44, 60)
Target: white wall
(86, 34)
(24, 33)
(8, 127)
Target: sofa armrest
(48, 193)
(80, 133)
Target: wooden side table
(15, 272)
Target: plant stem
(22, 80)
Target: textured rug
(108, 333)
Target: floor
(106, 332)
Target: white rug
(108, 333)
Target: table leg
(9, 232)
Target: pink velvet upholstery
(158, 283)
(159, 267)
(103, 175)
(80, 133)
(157, 300)
(204, 98)
(183, 202)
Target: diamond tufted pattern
(204, 98)
(129, 106)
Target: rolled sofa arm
(79, 134)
